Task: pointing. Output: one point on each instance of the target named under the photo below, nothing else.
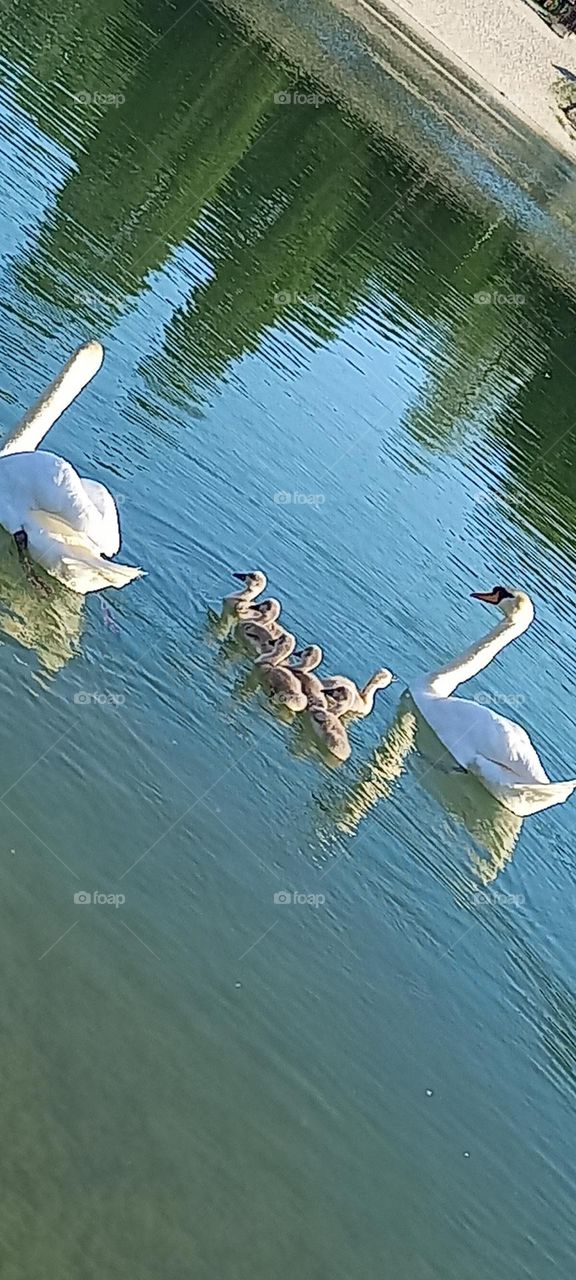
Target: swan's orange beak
(490, 597)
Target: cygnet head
(317, 705)
(381, 679)
(310, 657)
(509, 600)
(255, 582)
(268, 611)
(278, 650)
(341, 699)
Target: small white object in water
(429, 1093)
(466, 1155)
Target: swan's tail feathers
(119, 575)
(543, 795)
(76, 374)
(521, 798)
(84, 571)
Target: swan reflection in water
(50, 625)
(492, 827)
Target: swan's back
(41, 482)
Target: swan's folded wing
(509, 746)
(85, 506)
(468, 729)
(109, 535)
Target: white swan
(66, 523)
(488, 745)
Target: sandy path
(504, 45)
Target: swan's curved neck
(368, 693)
(77, 372)
(444, 681)
(247, 596)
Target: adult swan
(66, 523)
(493, 748)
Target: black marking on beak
(495, 596)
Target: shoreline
(502, 47)
(469, 139)
(373, 61)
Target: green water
(200, 1081)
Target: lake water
(321, 362)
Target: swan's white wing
(508, 744)
(41, 481)
(468, 730)
(106, 506)
(67, 531)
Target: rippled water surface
(323, 363)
